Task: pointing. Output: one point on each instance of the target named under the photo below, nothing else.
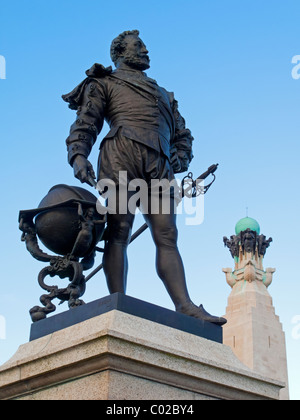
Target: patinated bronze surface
(149, 140)
(67, 223)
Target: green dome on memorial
(247, 223)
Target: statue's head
(128, 48)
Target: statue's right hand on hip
(83, 169)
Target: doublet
(132, 104)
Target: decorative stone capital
(250, 273)
(247, 241)
(248, 249)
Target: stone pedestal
(253, 330)
(120, 356)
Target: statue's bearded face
(135, 54)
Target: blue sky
(229, 63)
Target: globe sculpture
(67, 223)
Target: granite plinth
(118, 356)
(129, 305)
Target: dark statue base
(131, 306)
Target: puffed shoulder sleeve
(89, 99)
(181, 150)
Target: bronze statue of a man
(149, 140)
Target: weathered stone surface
(120, 356)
